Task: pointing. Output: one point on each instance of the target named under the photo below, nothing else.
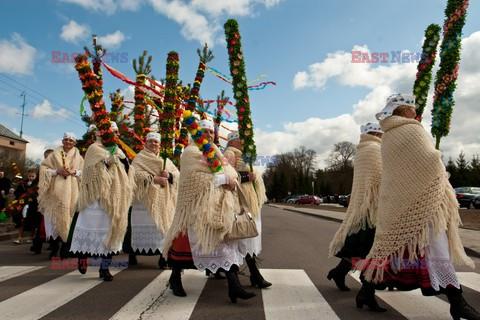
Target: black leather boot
(235, 289)
(256, 278)
(162, 263)
(459, 308)
(54, 248)
(175, 282)
(366, 296)
(132, 259)
(104, 269)
(339, 273)
(82, 264)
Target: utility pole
(23, 112)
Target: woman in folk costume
(354, 238)
(416, 239)
(155, 199)
(59, 184)
(204, 214)
(255, 198)
(105, 197)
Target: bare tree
(341, 157)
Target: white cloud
(45, 110)
(199, 19)
(36, 146)
(16, 55)
(8, 110)
(382, 80)
(112, 40)
(73, 32)
(107, 6)
(194, 26)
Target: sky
(304, 46)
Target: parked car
(294, 198)
(309, 200)
(344, 200)
(466, 196)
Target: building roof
(5, 132)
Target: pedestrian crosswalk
(293, 296)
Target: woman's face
(410, 113)
(153, 145)
(210, 134)
(68, 144)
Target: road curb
(468, 251)
(7, 236)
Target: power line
(40, 94)
(57, 114)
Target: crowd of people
(401, 226)
(400, 230)
(100, 205)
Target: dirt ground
(470, 217)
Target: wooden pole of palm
(167, 123)
(222, 101)
(424, 68)
(181, 133)
(92, 85)
(189, 119)
(445, 81)
(240, 90)
(142, 70)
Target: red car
(309, 200)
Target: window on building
(12, 143)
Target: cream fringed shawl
(362, 210)
(255, 199)
(159, 201)
(207, 209)
(111, 187)
(415, 196)
(57, 195)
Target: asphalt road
(295, 255)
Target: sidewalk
(470, 238)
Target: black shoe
(162, 263)
(175, 283)
(256, 278)
(338, 278)
(366, 296)
(132, 259)
(55, 247)
(459, 308)
(339, 273)
(235, 289)
(82, 265)
(105, 274)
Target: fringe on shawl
(117, 208)
(362, 217)
(159, 201)
(160, 204)
(445, 219)
(95, 183)
(59, 208)
(208, 209)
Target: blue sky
(302, 45)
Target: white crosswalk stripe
(41, 300)
(470, 280)
(292, 296)
(8, 272)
